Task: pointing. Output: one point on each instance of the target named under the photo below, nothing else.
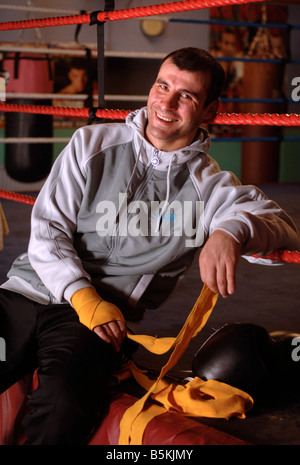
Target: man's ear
(211, 111)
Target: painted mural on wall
(74, 85)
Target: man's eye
(185, 96)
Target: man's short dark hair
(194, 59)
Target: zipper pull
(155, 160)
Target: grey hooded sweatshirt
(118, 214)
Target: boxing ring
(165, 428)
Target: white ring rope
(34, 140)
(39, 9)
(80, 51)
(112, 97)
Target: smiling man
(67, 301)
(178, 103)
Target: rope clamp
(93, 114)
(94, 18)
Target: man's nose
(169, 101)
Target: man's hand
(100, 316)
(218, 261)
(113, 333)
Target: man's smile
(165, 118)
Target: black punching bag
(28, 73)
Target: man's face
(176, 107)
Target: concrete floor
(266, 296)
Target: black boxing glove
(238, 354)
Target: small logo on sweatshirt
(139, 218)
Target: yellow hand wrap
(92, 309)
(197, 398)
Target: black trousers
(74, 368)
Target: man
(105, 244)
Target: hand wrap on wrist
(92, 309)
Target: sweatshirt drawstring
(129, 182)
(167, 196)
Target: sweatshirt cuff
(74, 287)
(240, 232)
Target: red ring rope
(283, 256)
(264, 119)
(221, 118)
(17, 197)
(173, 7)
(62, 111)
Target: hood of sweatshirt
(137, 121)
(161, 160)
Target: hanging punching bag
(260, 159)
(28, 73)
